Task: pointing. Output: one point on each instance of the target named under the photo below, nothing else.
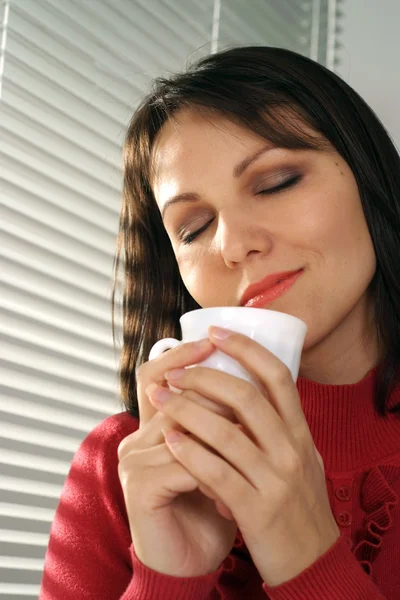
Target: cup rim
(252, 313)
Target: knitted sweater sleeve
(90, 552)
(335, 576)
(362, 571)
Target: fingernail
(172, 437)
(157, 393)
(174, 374)
(219, 333)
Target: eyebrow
(238, 171)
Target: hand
(178, 526)
(269, 474)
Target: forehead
(190, 140)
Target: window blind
(72, 73)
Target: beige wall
(370, 56)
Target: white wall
(370, 57)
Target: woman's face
(247, 231)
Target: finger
(151, 432)
(251, 408)
(220, 477)
(153, 371)
(216, 407)
(130, 457)
(157, 486)
(273, 374)
(216, 432)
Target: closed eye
(189, 239)
(282, 186)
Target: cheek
(194, 275)
(332, 223)
(202, 278)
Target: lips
(269, 288)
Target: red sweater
(90, 554)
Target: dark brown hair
(258, 87)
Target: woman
(255, 161)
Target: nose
(240, 238)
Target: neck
(347, 354)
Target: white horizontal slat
(14, 484)
(21, 563)
(26, 62)
(56, 365)
(173, 27)
(96, 178)
(98, 400)
(95, 293)
(53, 22)
(45, 90)
(166, 41)
(26, 344)
(45, 310)
(45, 244)
(20, 277)
(33, 333)
(8, 590)
(36, 437)
(37, 463)
(37, 412)
(50, 235)
(113, 32)
(51, 198)
(15, 304)
(194, 19)
(63, 390)
(40, 199)
(33, 117)
(21, 511)
(71, 58)
(23, 537)
(45, 54)
(154, 46)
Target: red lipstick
(270, 288)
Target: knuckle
(282, 375)
(218, 475)
(245, 396)
(227, 435)
(128, 444)
(127, 475)
(291, 462)
(125, 446)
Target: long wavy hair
(254, 87)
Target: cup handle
(163, 345)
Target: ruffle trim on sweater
(377, 500)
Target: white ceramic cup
(281, 334)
